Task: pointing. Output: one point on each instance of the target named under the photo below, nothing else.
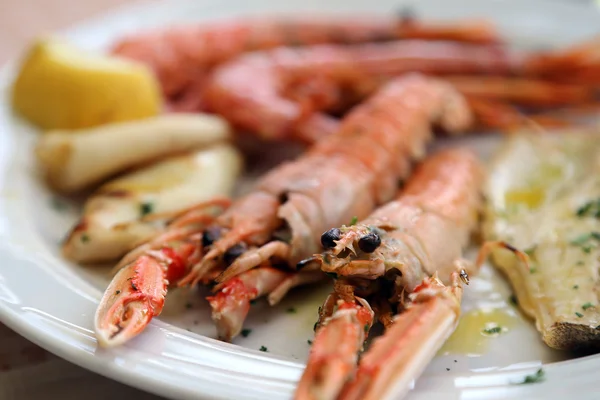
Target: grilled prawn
(404, 259)
(257, 246)
(183, 56)
(281, 93)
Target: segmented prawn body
(279, 94)
(259, 245)
(404, 259)
(183, 56)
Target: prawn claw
(134, 297)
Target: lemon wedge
(61, 86)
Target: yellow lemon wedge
(61, 86)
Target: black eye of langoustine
(328, 238)
(370, 242)
(210, 235)
(233, 252)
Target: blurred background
(22, 20)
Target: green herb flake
(353, 221)
(530, 251)
(291, 310)
(118, 292)
(532, 270)
(587, 305)
(253, 302)
(188, 305)
(513, 300)
(367, 328)
(584, 209)
(539, 376)
(246, 332)
(581, 239)
(575, 286)
(146, 208)
(591, 208)
(263, 348)
(580, 315)
(310, 342)
(493, 330)
(85, 238)
(58, 204)
(580, 263)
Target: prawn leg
(334, 352)
(402, 353)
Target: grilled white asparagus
(74, 160)
(544, 196)
(120, 214)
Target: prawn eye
(370, 242)
(210, 235)
(328, 238)
(233, 252)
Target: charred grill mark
(328, 238)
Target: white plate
(51, 302)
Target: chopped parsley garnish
(253, 301)
(246, 332)
(530, 251)
(492, 331)
(535, 378)
(188, 305)
(513, 300)
(263, 348)
(118, 292)
(580, 315)
(291, 310)
(146, 208)
(58, 204)
(591, 208)
(310, 342)
(587, 305)
(532, 270)
(575, 286)
(331, 275)
(354, 220)
(580, 263)
(85, 238)
(366, 328)
(583, 241)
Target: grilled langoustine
(257, 246)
